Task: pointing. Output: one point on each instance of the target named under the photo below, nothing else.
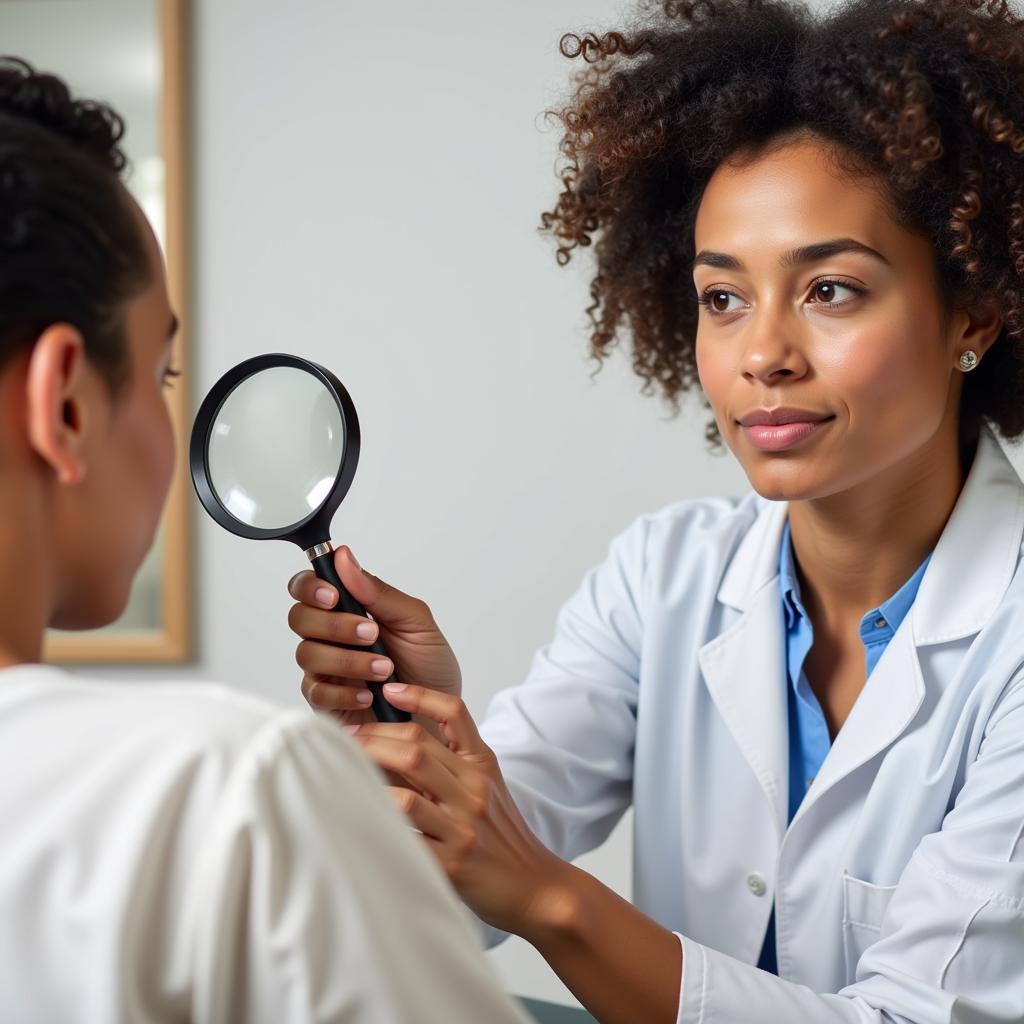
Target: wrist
(619, 963)
(556, 911)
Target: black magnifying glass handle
(323, 566)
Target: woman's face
(818, 300)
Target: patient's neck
(25, 570)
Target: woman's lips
(779, 437)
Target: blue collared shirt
(809, 740)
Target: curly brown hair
(928, 96)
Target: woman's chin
(778, 482)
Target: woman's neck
(854, 550)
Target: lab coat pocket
(864, 906)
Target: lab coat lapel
(885, 707)
(977, 554)
(969, 572)
(744, 667)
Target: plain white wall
(368, 180)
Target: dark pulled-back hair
(928, 96)
(70, 249)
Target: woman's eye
(168, 377)
(829, 293)
(717, 300)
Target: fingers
(387, 604)
(384, 602)
(428, 817)
(450, 712)
(419, 763)
(418, 733)
(329, 694)
(334, 627)
(308, 588)
(324, 659)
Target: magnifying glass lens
(275, 447)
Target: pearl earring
(968, 361)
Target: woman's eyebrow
(793, 258)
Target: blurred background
(364, 185)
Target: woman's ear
(55, 401)
(982, 327)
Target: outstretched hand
(455, 795)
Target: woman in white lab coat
(812, 696)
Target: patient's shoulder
(37, 695)
(151, 735)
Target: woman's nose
(773, 352)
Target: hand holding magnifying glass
(273, 452)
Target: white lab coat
(899, 885)
(182, 852)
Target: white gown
(181, 852)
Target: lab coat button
(756, 884)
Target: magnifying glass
(273, 452)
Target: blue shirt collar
(788, 580)
(893, 611)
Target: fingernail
(381, 666)
(395, 687)
(355, 561)
(325, 596)
(366, 630)
(350, 728)
(364, 697)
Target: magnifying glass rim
(199, 448)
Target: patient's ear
(55, 401)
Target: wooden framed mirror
(131, 53)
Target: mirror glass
(275, 447)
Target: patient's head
(86, 445)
